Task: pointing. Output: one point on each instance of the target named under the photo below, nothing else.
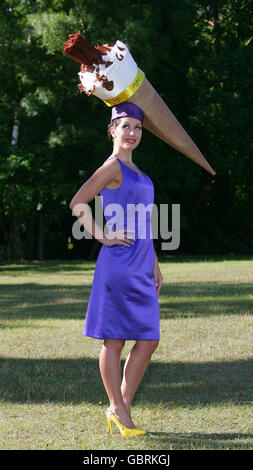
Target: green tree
(197, 54)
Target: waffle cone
(161, 122)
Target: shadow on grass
(31, 300)
(218, 441)
(35, 301)
(203, 258)
(59, 265)
(78, 380)
(50, 266)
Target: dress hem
(124, 339)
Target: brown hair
(113, 124)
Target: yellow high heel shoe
(126, 432)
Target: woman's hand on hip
(120, 237)
(158, 278)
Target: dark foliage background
(197, 54)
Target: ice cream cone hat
(110, 73)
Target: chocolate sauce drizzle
(90, 57)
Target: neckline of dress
(140, 174)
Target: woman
(123, 303)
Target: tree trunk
(14, 242)
(15, 245)
(40, 246)
(3, 226)
(15, 129)
(30, 238)
(94, 250)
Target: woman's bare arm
(100, 178)
(91, 188)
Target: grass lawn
(196, 393)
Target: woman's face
(127, 134)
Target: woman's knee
(114, 344)
(154, 345)
(148, 345)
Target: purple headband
(126, 109)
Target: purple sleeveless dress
(123, 301)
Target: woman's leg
(109, 364)
(135, 367)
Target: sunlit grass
(196, 393)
